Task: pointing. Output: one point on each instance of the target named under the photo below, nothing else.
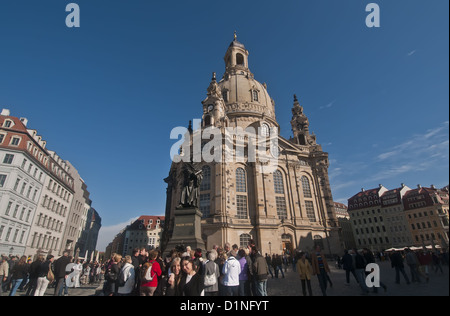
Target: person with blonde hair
(126, 278)
(172, 286)
(112, 275)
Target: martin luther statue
(192, 179)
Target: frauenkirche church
(290, 207)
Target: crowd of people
(223, 271)
(420, 262)
(34, 277)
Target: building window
(15, 141)
(244, 240)
(306, 187)
(2, 180)
(255, 95)
(8, 209)
(241, 183)
(8, 159)
(310, 211)
(225, 95)
(241, 205)
(207, 120)
(265, 130)
(239, 59)
(7, 123)
(205, 205)
(206, 182)
(278, 182)
(281, 207)
(2, 137)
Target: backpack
(121, 280)
(210, 279)
(110, 275)
(147, 273)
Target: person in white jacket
(127, 277)
(231, 270)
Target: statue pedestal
(187, 229)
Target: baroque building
(426, 212)
(281, 198)
(145, 232)
(43, 200)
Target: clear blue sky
(106, 95)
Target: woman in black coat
(192, 283)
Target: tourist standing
(192, 283)
(260, 273)
(45, 276)
(320, 268)
(231, 271)
(212, 274)
(126, 278)
(304, 270)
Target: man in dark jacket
(347, 265)
(397, 263)
(60, 272)
(260, 272)
(34, 274)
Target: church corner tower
(291, 208)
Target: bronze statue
(192, 179)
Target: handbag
(50, 275)
(211, 279)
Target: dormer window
(15, 141)
(7, 123)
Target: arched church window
(310, 211)
(206, 182)
(241, 199)
(318, 241)
(239, 59)
(241, 182)
(244, 239)
(265, 130)
(205, 205)
(306, 187)
(278, 182)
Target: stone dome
(243, 95)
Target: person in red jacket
(425, 259)
(148, 287)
